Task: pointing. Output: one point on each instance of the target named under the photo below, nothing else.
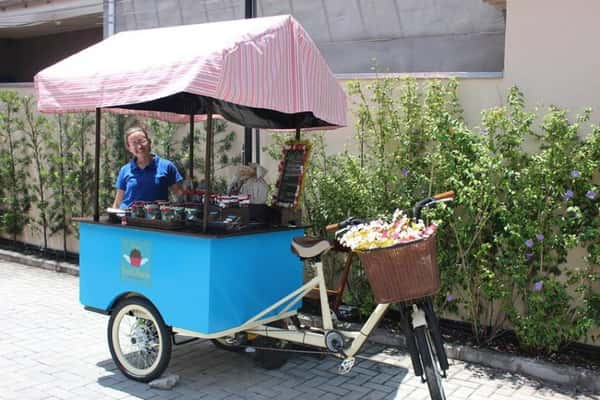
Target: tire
(430, 365)
(138, 339)
(271, 359)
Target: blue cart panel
(205, 284)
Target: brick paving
(52, 349)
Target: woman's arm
(118, 198)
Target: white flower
(379, 233)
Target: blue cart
(205, 286)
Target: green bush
(516, 216)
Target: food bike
(242, 289)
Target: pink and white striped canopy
(268, 66)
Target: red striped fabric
(267, 63)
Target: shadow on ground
(208, 372)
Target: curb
(56, 266)
(574, 377)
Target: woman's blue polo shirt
(149, 184)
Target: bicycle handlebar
(343, 224)
(438, 198)
(449, 195)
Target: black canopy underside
(251, 117)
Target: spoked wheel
(267, 358)
(430, 364)
(138, 339)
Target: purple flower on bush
(591, 194)
(537, 286)
(529, 243)
(405, 172)
(568, 195)
(528, 256)
(449, 298)
(575, 174)
(539, 237)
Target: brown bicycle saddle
(309, 246)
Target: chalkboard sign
(291, 174)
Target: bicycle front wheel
(430, 364)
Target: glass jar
(138, 210)
(167, 213)
(152, 211)
(179, 211)
(193, 214)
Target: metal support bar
(296, 295)
(191, 153)
(249, 12)
(247, 146)
(367, 328)
(257, 146)
(325, 311)
(208, 164)
(97, 167)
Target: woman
(147, 177)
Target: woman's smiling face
(139, 145)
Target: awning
(260, 73)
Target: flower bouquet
(379, 233)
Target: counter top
(187, 231)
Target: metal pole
(207, 164)
(247, 146)
(191, 173)
(249, 12)
(257, 145)
(297, 134)
(97, 168)
(110, 23)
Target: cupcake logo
(136, 262)
(135, 259)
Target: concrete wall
(403, 35)
(23, 58)
(37, 53)
(8, 55)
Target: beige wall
(476, 94)
(552, 54)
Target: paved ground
(52, 349)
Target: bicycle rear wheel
(430, 363)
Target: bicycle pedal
(346, 366)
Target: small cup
(138, 210)
(193, 213)
(179, 212)
(167, 213)
(152, 211)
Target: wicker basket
(402, 272)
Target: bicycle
(268, 336)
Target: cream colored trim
(8, 85)
(232, 331)
(424, 75)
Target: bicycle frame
(317, 339)
(257, 324)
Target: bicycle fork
(423, 316)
